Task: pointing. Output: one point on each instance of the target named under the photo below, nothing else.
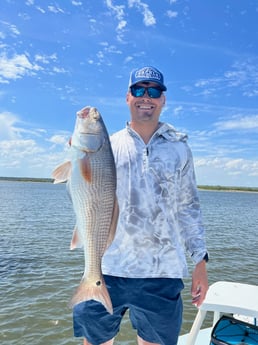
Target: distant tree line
(203, 187)
(229, 188)
(26, 179)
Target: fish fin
(96, 291)
(85, 167)
(75, 242)
(113, 225)
(62, 173)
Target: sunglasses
(139, 91)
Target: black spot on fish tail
(98, 283)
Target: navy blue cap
(147, 74)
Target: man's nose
(146, 95)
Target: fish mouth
(88, 112)
(83, 113)
(88, 136)
(87, 133)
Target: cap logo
(148, 73)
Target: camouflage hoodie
(160, 215)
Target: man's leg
(156, 310)
(143, 342)
(110, 342)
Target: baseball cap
(147, 74)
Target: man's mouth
(145, 106)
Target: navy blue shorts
(155, 310)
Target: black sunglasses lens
(153, 92)
(137, 91)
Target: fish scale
(86, 200)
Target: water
(38, 273)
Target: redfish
(91, 182)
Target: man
(159, 219)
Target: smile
(145, 107)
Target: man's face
(145, 108)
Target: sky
(58, 56)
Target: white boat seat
(226, 297)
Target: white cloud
(16, 153)
(242, 75)
(29, 158)
(235, 78)
(46, 59)
(7, 126)
(172, 14)
(12, 128)
(148, 17)
(41, 9)
(19, 148)
(121, 25)
(8, 29)
(120, 15)
(55, 9)
(112, 49)
(128, 59)
(103, 56)
(27, 151)
(59, 70)
(59, 139)
(178, 110)
(20, 157)
(239, 123)
(118, 9)
(233, 172)
(76, 3)
(29, 2)
(235, 164)
(228, 164)
(16, 67)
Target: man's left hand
(199, 283)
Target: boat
(224, 298)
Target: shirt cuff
(199, 256)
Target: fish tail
(89, 291)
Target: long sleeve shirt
(159, 210)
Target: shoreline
(228, 189)
(201, 187)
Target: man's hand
(199, 283)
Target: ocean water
(38, 272)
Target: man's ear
(127, 97)
(164, 100)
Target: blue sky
(59, 56)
